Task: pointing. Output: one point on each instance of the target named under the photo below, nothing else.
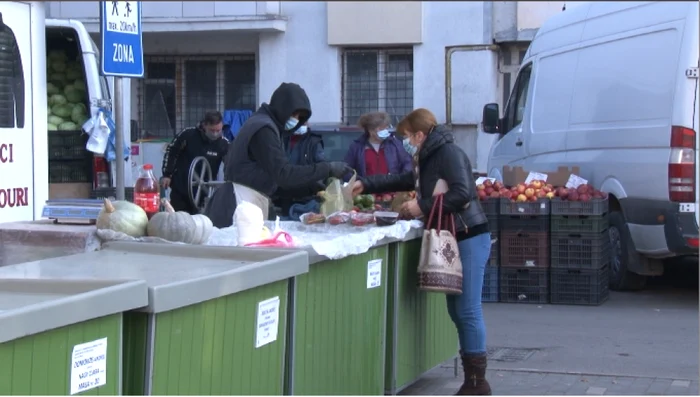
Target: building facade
(350, 57)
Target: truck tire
(623, 253)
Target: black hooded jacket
(11, 80)
(257, 157)
(439, 158)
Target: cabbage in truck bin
(66, 92)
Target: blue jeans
(465, 309)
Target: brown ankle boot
(475, 383)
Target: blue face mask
(409, 148)
(291, 123)
(383, 134)
(302, 130)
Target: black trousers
(182, 202)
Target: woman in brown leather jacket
(438, 157)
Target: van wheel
(623, 253)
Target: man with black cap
(257, 157)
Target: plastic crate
(579, 250)
(524, 249)
(579, 287)
(539, 207)
(579, 223)
(592, 207)
(491, 206)
(495, 256)
(489, 292)
(524, 285)
(78, 171)
(68, 145)
(111, 193)
(524, 223)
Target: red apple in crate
(494, 194)
(480, 186)
(536, 184)
(573, 195)
(488, 183)
(507, 194)
(584, 197)
(546, 189)
(497, 185)
(521, 198)
(520, 188)
(529, 192)
(541, 194)
(482, 195)
(550, 195)
(582, 189)
(550, 187)
(563, 192)
(488, 190)
(533, 198)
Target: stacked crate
(580, 252)
(489, 292)
(524, 251)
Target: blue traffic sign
(122, 40)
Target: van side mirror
(490, 119)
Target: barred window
(177, 90)
(377, 80)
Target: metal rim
(616, 245)
(200, 178)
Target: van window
(515, 110)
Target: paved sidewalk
(441, 381)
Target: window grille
(377, 80)
(177, 90)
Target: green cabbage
(78, 115)
(55, 120)
(62, 111)
(51, 89)
(58, 66)
(57, 78)
(52, 127)
(68, 126)
(73, 95)
(57, 99)
(73, 73)
(58, 55)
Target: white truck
(29, 44)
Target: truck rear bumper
(680, 228)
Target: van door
(696, 128)
(96, 84)
(510, 148)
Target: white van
(612, 87)
(33, 163)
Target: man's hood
(287, 99)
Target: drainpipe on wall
(448, 72)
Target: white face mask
(291, 123)
(302, 130)
(409, 148)
(383, 134)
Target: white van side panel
(620, 122)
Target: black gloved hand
(339, 169)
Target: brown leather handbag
(440, 266)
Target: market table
(215, 319)
(63, 337)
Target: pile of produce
(130, 219)
(365, 206)
(66, 92)
(537, 189)
(365, 203)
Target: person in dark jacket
(438, 157)
(257, 158)
(378, 151)
(303, 147)
(204, 140)
(12, 110)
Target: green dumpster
(215, 323)
(339, 326)
(61, 337)
(420, 333)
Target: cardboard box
(514, 175)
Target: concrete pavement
(636, 343)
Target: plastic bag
(338, 198)
(338, 218)
(249, 222)
(361, 219)
(99, 130)
(312, 218)
(278, 240)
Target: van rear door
(97, 88)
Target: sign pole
(119, 138)
(122, 57)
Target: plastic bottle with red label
(147, 191)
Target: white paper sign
(532, 176)
(374, 273)
(268, 321)
(575, 181)
(88, 368)
(480, 180)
